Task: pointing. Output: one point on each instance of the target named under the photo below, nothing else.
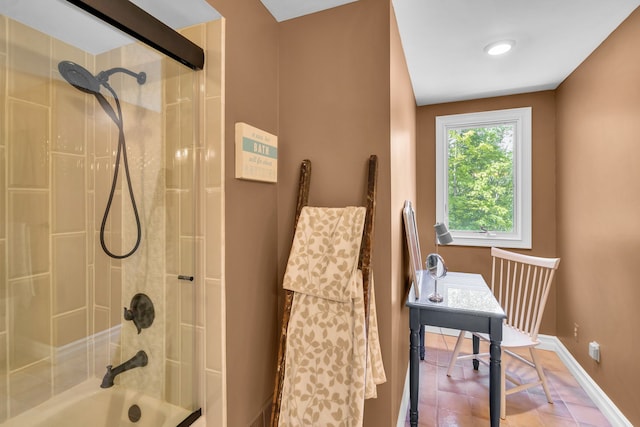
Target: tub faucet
(139, 360)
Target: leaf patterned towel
(329, 369)
(324, 254)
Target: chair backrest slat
(520, 306)
(531, 299)
(521, 283)
(509, 285)
(539, 283)
(529, 289)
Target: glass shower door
(97, 228)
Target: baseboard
(404, 403)
(599, 397)
(551, 343)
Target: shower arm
(103, 76)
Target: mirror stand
(435, 296)
(437, 270)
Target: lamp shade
(442, 234)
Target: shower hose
(121, 151)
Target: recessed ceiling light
(499, 48)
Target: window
(483, 177)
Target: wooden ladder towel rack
(364, 264)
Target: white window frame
(521, 119)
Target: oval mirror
(435, 266)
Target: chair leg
(456, 351)
(476, 349)
(543, 378)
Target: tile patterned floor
(462, 400)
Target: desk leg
(422, 327)
(495, 382)
(414, 365)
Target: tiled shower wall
(44, 238)
(52, 135)
(210, 339)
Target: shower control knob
(140, 311)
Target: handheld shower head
(82, 79)
(79, 77)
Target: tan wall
(334, 108)
(324, 85)
(250, 267)
(476, 259)
(598, 122)
(403, 187)
(335, 111)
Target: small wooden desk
(468, 305)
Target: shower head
(82, 79)
(79, 77)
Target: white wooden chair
(521, 284)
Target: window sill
(491, 241)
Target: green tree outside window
(481, 175)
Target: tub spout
(139, 360)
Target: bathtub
(89, 405)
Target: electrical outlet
(594, 351)
(575, 331)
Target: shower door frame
(130, 19)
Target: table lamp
(443, 236)
(435, 264)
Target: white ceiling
(444, 41)
(288, 9)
